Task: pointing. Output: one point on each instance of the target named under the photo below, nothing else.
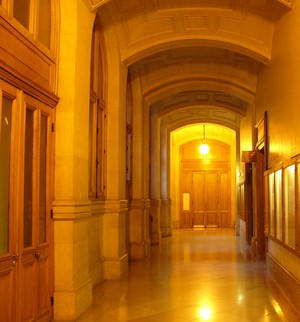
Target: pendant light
(203, 148)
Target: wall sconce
(203, 148)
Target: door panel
(199, 219)
(199, 200)
(43, 283)
(8, 228)
(212, 199)
(28, 287)
(27, 247)
(212, 191)
(37, 160)
(212, 219)
(7, 287)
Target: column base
(166, 231)
(70, 304)
(140, 250)
(114, 268)
(156, 238)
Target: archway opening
(203, 187)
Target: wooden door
(199, 197)
(225, 213)
(248, 202)
(26, 258)
(8, 211)
(35, 247)
(205, 199)
(259, 200)
(212, 189)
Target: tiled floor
(195, 275)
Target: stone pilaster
(139, 237)
(165, 215)
(73, 287)
(114, 239)
(155, 230)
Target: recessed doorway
(203, 187)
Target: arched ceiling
(194, 54)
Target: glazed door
(8, 230)
(26, 257)
(35, 251)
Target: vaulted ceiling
(195, 55)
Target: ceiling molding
(95, 4)
(288, 3)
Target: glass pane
(28, 185)
(43, 180)
(5, 138)
(278, 203)
(21, 12)
(289, 206)
(44, 26)
(272, 204)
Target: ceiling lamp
(203, 148)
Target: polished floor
(195, 275)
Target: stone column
(139, 203)
(155, 228)
(73, 287)
(165, 215)
(114, 239)
(155, 189)
(166, 222)
(71, 207)
(139, 228)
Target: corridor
(195, 275)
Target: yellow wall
(278, 93)
(279, 88)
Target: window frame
(97, 116)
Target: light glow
(204, 148)
(204, 313)
(277, 308)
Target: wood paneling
(25, 66)
(207, 180)
(7, 287)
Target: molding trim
(71, 209)
(95, 4)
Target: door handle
(15, 258)
(37, 255)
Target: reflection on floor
(195, 275)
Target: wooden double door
(26, 256)
(205, 199)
